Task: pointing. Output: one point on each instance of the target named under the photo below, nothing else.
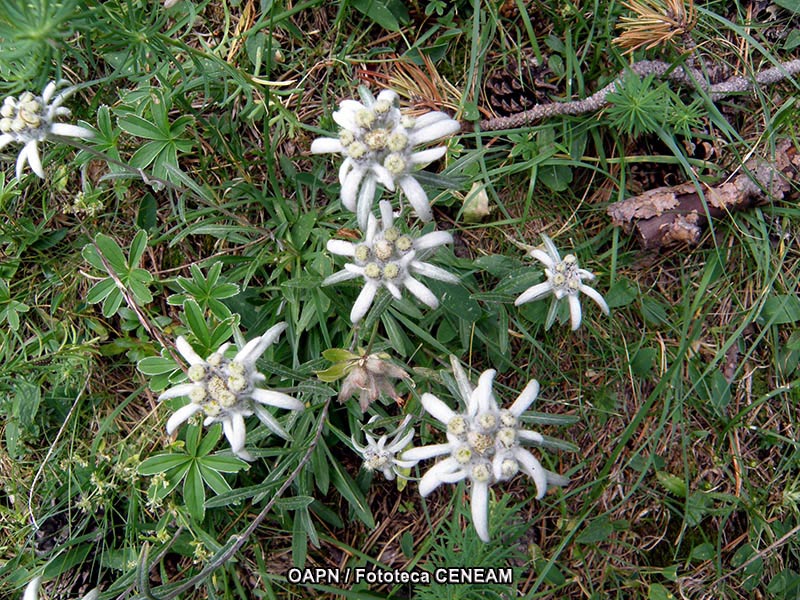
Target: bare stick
(683, 75)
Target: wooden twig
(663, 70)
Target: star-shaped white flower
(381, 454)
(32, 591)
(564, 279)
(30, 119)
(378, 144)
(390, 259)
(225, 391)
(484, 444)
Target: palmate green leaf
(100, 290)
(138, 246)
(193, 435)
(214, 480)
(140, 127)
(210, 440)
(113, 254)
(224, 464)
(146, 154)
(197, 324)
(138, 283)
(112, 303)
(194, 493)
(156, 365)
(90, 255)
(162, 462)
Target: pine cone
(516, 88)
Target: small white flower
(564, 279)
(484, 444)
(30, 119)
(388, 258)
(32, 591)
(380, 454)
(225, 391)
(378, 143)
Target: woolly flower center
(220, 384)
(380, 137)
(381, 259)
(565, 277)
(21, 115)
(484, 439)
(376, 460)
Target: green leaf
(162, 462)
(621, 293)
(197, 323)
(243, 493)
(138, 246)
(112, 303)
(193, 434)
(597, 530)
(224, 464)
(336, 355)
(643, 361)
(334, 373)
(790, 5)
(704, 551)
(779, 310)
(147, 215)
(350, 491)
(140, 291)
(294, 502)
(194, 493)
(26, 402)
(378, 11)
(136, 125)
(12, 438)
(100, 290)
(112, 253)
(90, 255)
(209, 440)
(214, 480)
(672, 483)
(156, 365)
(785, 585)
(556, 177)
(146, 154)
(659, 592)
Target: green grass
(684, 405)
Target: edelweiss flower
(378, 143)
(380, 454)
(32, 591)
(390, 259)
(484, 444)
(224, 390)
(564, 278)
(370, 375)
(30, 119)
